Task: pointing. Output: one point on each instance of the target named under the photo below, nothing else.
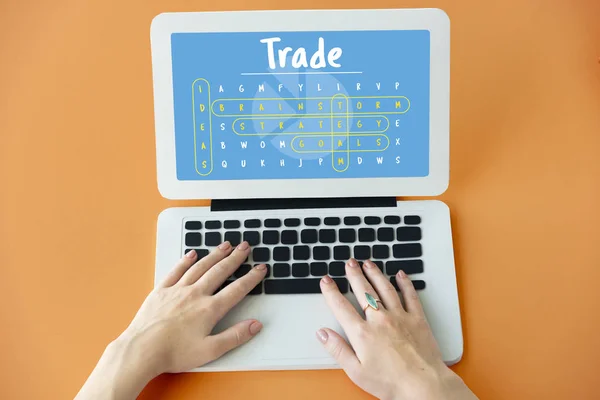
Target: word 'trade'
(299, 60)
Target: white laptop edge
(434, 20)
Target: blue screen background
(339, 139)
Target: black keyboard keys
(392, 220)
(300, 285)
(419, 285)
(318, 269)
(252, 237)
(261, 254)
(321, 253)
(309, 236)
(313, 221)
(379, 265)
(409, 250)
(231, 224)
(242, 270)
(408, 266)
(366, 235)
(412, 220)
(234, 238)
(331, 221)
(300, 270)
(193, 239)
(201, 253)
(271, 237)
(281, 254)
(347, 235)
(289, 237)
(301, 252)
(372, 220)
(213, 238)
(252, 223)
(327, 236)
(337, 268)
(341, 253)
(272, 223)
(281, 270)
(381, 251)
(385, 234)
(193, 225)
(212, 224)
(362, 252)
(352, 220)
(408, 234)
(291, 222)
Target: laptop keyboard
(300, 251)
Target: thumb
(340, 350)
(233, 337)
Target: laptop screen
(301, 105)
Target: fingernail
(353, 263)
(327, 279)
(401, 274)
(368, 264)
(243, 246)
(261, 267)
(255, 327)
(224, 245)
(322, 335)
(191, 254)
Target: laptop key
(193, 225)
(289, 237)
(300, 270)
(281, 254)
(252, 237)
(271, 237)
(337, 268)
(301, 252)
(379, 264)
(252, 223)
(201, 253)
(258, 289)
(242, 270)
(321, 253)
(213, 238)
(193, 239)
(366, 235)
(331, 221)
(408, 266)
(313, 221)
(234, 237)
(212, 224)
(412, 220)
(231, 224)
(419, 285)
(372, 220)
(341, 253)
(352, 220)
(281, 270)
(272, 223)
(268, 273)
(392, 219)
(385, 234)
(318, 269)
(327, 236)
(261, 254)
(409, 250)
(381, 251)
(300, 285)
(309, 236)
(408, 234)
(347, 235)
(362, 252)
(291, 222)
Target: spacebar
(299, 286)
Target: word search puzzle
(301, 105)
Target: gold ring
(371, 302)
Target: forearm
(121, 374)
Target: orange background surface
(79, 198)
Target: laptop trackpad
(290, 325)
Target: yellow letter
(202, 126)
(378, 141)
(320, 105)
(281, 125)
(262, 125)
(340, 104)
(339, 123)
(340, 143)
(221, 107)
(377, 105)
(242, 126)
(301, 143)
(359, 123)
(357, 142)
(359, 105)
(340, 161)
(203, 146)
(321, 143)
(200, 88)
(300, 126)
(204, 164)
(202, 107)
(321, 124)
(260, 107)
(398, 104)
(241, 107)
(300, 106)
(279, 104)
(378, 123)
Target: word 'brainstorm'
(336, 126)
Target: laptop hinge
(295, 203)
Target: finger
(411, 298)
(200, 268)
(236, 291)
(216, 275)
(360, 284)
(387, 292)
(344, 312)
(340, 350)
(232, 337)
(177, 272)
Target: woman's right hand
(392, 353)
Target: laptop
(303, 127)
